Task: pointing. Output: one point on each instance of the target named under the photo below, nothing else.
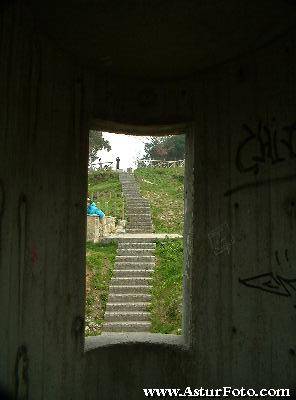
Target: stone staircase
(129, 291)
(137, 207)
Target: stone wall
(97, 229)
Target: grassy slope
(164, 188)
(100, 260)
(104, 187)
(166, 305)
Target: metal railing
(160, 163)
(101, 165)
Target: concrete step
(129, 297)
(128, 273)
(137, 211)
(131, 281)
(129, 289)
(130, 258)
(136, 240)
(135, 252)
(147, 259)
(140, 224)
(140, 306)
(128, 201)
(128, 326)
(145, 209)
(136, 245)
(141, 228)
(139, 316)
(134, 265)
(144, 230)
(140, 221)
(138, 217)
(131, 215)
(138, 199)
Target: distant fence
(101, 165)
(160, 163)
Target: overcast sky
(127, 148)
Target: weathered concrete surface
(43, 178)
(239, 314)
(148, 236)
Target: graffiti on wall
(272, 283)
(265, 144)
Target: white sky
(127, 148)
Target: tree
(165, 148)
(96, 143)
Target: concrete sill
(129, 339)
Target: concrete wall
(43, 183)
(239, 311)
(239, 280)
(240, 225)
(245, 199)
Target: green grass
(164, 189)
(166, 303)
(104, 189)
(100, 260)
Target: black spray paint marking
(22, 374)
(286, 255)
(22, 228)
(268, 145)
(271, 283)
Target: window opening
(135, 221)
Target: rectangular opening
(134, 252)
